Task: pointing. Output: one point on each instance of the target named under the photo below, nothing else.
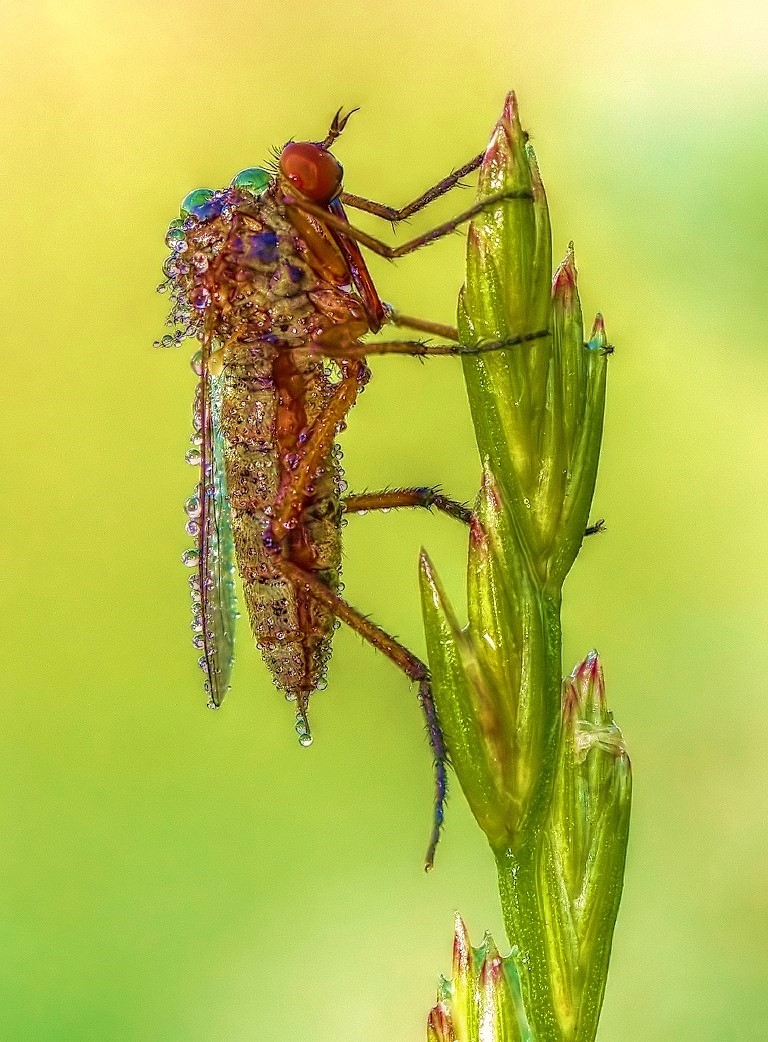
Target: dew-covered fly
(267, 275)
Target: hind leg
(410, 664)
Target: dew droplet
(174, 236)
(193, 507)
(196, 363)
(192, 527)
(253, 180)
(168, 340)
(190, 557)
(193, 456)
(303, 731)
(198, 203)
(198, 641)
(199, 261)
(200, 298)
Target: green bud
(496, 691)
(573, 430)
(584, 850)
(537, 407)
(482, 1001)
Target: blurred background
(171, 874)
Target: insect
(268, 275)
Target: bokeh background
(170, 874)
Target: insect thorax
(245, 273)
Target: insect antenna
(337, 125)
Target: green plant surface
(512, 733)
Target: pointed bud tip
(564, 281)
(506, 135)
(590, 672)
(461, 946)
(598, 339)
(585, 687)
(492, 971)
(439, 1025)
(511, 110)
(428, 573)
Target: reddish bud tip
(462, 952)
(588, 679)
(492, 971)
(564, 282)
(511, 110)
(439, 1026)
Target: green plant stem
(526, 930)
(519, 889)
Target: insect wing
(214, 605)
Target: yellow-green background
(169, 874)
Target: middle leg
(394, 499)
(418, 348)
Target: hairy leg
(394, 499)
(404, 659)
(393, 252)
(390, 213)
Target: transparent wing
(214, 605)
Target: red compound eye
(312, 170)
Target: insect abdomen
(291, 628)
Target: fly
(268, 275)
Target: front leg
(389, 213)
(331, 220)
